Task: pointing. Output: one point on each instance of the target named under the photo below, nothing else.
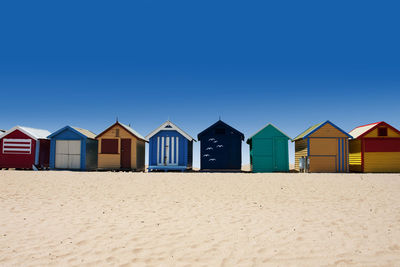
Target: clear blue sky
(290, 63)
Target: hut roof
(80, 131)
(169, 126)
(85, 132)
(269, 124)
(364, 129)
(315, 127)
(126, 127)
(220, 122)
(32, 132)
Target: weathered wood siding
(301, 150)
(355, 155)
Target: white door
(68, 154)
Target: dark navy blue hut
(170, 148)
(220, 147)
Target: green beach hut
(269, 150)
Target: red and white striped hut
(24, 148)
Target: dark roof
(218, 123)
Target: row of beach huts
(323, 147)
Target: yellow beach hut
(121, 148)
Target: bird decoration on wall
(213, 148)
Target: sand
(198, 219)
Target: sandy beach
(198, 219)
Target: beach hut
(375, 148)
(170, 148)
(24, 148)
(269, 150)
(322, 148)
(220, 147)
(121, 148)
(73, 148)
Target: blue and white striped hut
(170, 148)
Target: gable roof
(315, 127)
(31, 132)
(169, 126)
(219, 122)
(82, 132)
(269, 124)
(127, 128)
(362, 130)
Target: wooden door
(280, 154)
(68, 154)
(125, 153)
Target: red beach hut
(24, 148)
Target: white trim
(177, 150)
(37, 152)
(20, 145)
(158, 150)
(16, 149)
(162, 150)
(17, 140)
(173, 128)
(172, 150)
(27, 147)
(167, 147)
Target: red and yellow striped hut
(375, 148)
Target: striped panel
(17, 146)
(167, 150)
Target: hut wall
(44, 153)
(301, 150)
(180, 148)
(328, 155)
(382, 162)
(21, 160)
(355, 155)
(140, 155)
(91, 154)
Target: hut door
(167, 150)
(125, 153)
(68, 154)
(279, 154)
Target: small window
(220, 131)
(382, 131)
(116, 132)
(109, 146)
